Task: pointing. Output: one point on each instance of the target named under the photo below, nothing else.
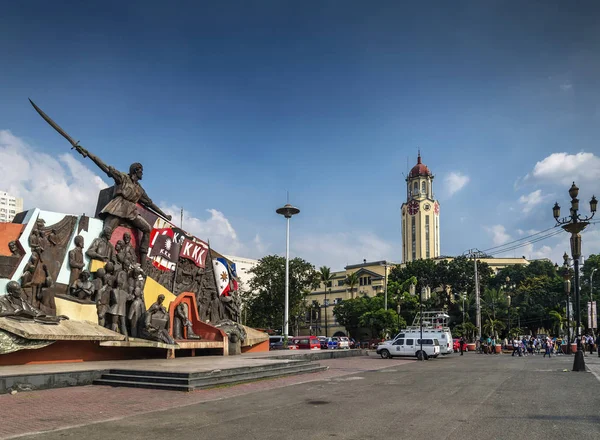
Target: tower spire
(419, 156)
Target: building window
(414, 238)
(340, 283)
(364, 281)
(427, 236)
(424, 188)
(416, 188)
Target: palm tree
(351, 281)
(493, 298)
(326, 277)
(492, 326)
(557, 321)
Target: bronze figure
(83, 288)
(76, 262)
(101, 249)
(181, 320)
(13, 247)
(118, 305)
(156, 323)
(127, 192)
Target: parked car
(276, 343)
(456, 343)
(332, 343)
(409, 345)
(343, 342)
(307, 342)
(353, 343)
(323, 341)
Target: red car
(456, 345)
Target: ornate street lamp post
(287, 211)
(567, 283)
(575, 224)
(507, 286)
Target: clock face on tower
(436, 208)
(413, 207)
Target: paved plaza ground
(473, 396)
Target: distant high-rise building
(9, 206)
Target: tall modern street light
(575, 224)
(287, 211)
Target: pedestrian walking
(590, 342)
(547, 347)
(462, 345)
(515, 345)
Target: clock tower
(420, 216)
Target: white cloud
(566, 86)
(63, 185)
(565, 168)
(218, 229)
(336, 250)
(455, 181)
(532, 199)
(499, 234)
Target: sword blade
(54, 124)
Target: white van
(409, 344)
(443, 335)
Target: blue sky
(230, 105)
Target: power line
(506, 247)
(543, 237)
(520, 239)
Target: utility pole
(474, 253)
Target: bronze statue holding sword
(127, 193)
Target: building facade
(9, 206)
(372, 279)
(420, 216)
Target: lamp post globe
(287, 211)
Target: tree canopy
(267, 299)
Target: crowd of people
(540, 345)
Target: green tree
(493, 326)
(379, 320)
(267, 302)
(351, 281)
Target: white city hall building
(9, 206)
(420, 216)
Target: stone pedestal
(235, 348)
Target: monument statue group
(145, 278)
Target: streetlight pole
(326, 305)
(421, 357)
(474, 253)
(567, 283)
(464, 296)
(592, 292)
(287, 211)
(509, 287)
(385, 266)
(575, 224)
